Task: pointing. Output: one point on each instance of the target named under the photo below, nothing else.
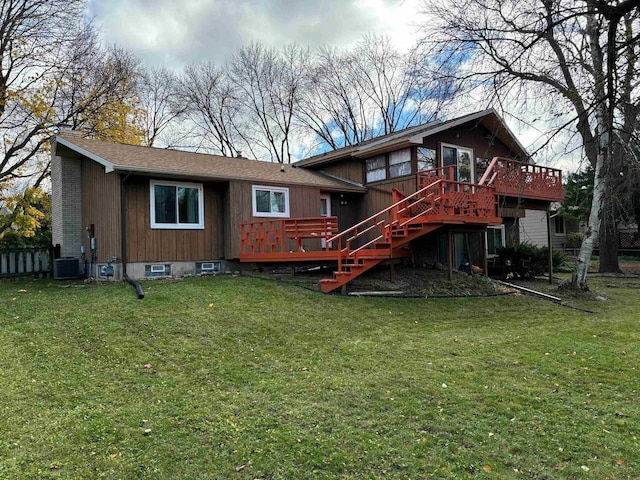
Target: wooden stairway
(354, 265)
(381, 237)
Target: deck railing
(524, 180)
(292, 236)
(441, 201)
(16, 262)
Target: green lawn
(252, 379)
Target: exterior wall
(533, 229)
(473, 136)
(145, 244)
(101, 207)
(66, 207)
(352, 170)
(303, 202)
(379, 195)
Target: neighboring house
(534, 228)
(448, 192)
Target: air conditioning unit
(66, 268)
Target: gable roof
(415, 136)
(168, 163)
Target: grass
(252, 379)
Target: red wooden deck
(438, 201)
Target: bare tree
(158, 92)
(357, 94)
(268, 85)
(212, 107)
(575, 52)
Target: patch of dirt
(411, 281)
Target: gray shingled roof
(177, 163)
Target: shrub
(574, 239)
(530, 260)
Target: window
(558, 221)
(400, 163)
(270, 201)
(461, 158)
(177, 205)
(481, 167)
(495, 240)
(376, 169)
(426, 158)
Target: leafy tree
(25, 219)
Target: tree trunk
(608, 237)
(579, 278)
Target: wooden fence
(17, 262)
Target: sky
(174, 33)
(178, 32)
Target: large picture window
(176, 205)
(270, 201)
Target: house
(445, 191)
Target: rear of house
(445, 192)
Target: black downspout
(123, 238)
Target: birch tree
(575, 53)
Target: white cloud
(174, 32)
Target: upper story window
(176, 205)
(391, 165)
(270, 201)
(426, 158)
(400, 163)
(461, 158)
(376, 168)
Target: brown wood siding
(351, 170)
(303, 202)
(145, 244)
(473, 136)
(101, 207)
(379, 195)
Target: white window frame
(268, 188)
(486, 239)
(177, 225)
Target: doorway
(325, 211)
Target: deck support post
(549, 244)
(343, 289)
(392, 273)
(449, 257)
(485, 265)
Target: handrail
(516, 178)
(338, 237)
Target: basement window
(177, 205)
(270, 201)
